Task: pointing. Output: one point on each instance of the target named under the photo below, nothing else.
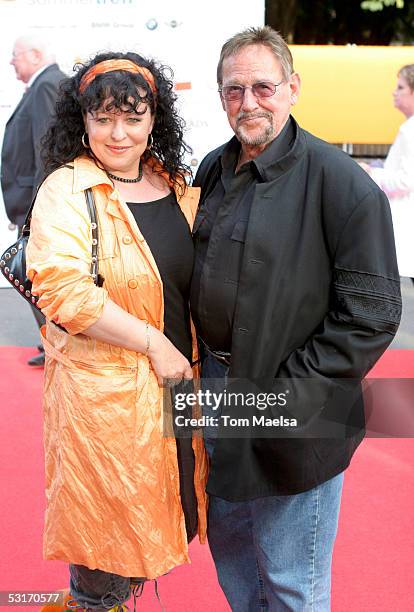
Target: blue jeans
(272, 553)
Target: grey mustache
(252, 116)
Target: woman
(116, 487)
(396, 178)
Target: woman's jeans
(272, 553)
(96, 589)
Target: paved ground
(18, 327)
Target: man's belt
(221, 356)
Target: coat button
(127, 239)
(132, 284)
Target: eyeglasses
(263, 89)
(16, 55)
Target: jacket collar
(269, 164)
(271, 167)
(87, 174)
(39, 72)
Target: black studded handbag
(13, 260)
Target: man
(21, 164)
(296, 289)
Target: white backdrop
(184, 34)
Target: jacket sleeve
(364, 311)
(59, 257)
(398, 181)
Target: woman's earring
(150, 141)
(84, 142)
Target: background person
(21, 164)
(396, 177)
(295, 286)
(122, 498)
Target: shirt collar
(275, 159)
(277, 150)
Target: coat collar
(87, 174)
(38, 73)
(269, 164)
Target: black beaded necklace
(127, 180)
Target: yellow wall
(346, 91)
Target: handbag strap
(90, 202)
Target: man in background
(21, 164)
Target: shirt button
(127, 239)
(132, 284)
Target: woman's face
(118, 138)
(404, 97)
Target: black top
(219, 233)
(168, 235)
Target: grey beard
(264, 137)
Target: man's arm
(364, 314)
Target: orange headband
(116, 64)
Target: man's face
(24, 61)
(257, 121)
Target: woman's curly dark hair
(63, 141)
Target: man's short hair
(258, 36)
(407, 72)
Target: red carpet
(374, 553)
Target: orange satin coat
(112, 480)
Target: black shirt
(219, 235)
(167, 233)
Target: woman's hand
(168, 363)
(118, 327)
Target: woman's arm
(397, 178)
(116, 326)
(58, 264)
